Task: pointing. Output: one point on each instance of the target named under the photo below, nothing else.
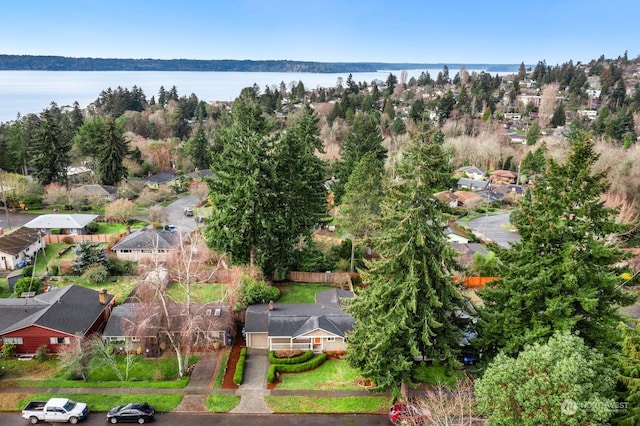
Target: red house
(54, 318)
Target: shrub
(8, 350)
(95, 274)
(27, 271)
(93, 226)
(292, 360)
(27, 284)
(238, 376)
(120, 267)
(295, 368)
(252, 291)
(42, 353)
(54, 268)
(68, 240)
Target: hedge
(293, 360)
(238, 376)
(295, 368)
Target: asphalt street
(494, 228)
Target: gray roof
(472, 170)
(18, 240)
(473, 183)
(72, 309)
(293, 320)
(146, 238)
(199, 174)
(161, 177)
(62, 221)
(126, 318)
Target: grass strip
(328, 405)
(221, 403)
(105, 402)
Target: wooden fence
(339, 279)
(476, 281)
(95, 238)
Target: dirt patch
(227, 382)
(11, 401)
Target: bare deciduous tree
(56, 195)
(75, 357)
(451, 406)
(121, 210)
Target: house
(472, 172)
(199, 174)
(466, 252)
(68, 224)
(147, 243)
(502, 177)
(448, 198)
(472, 184)
(466, 197)
(159, 179)
(53, 319)
(92, 192)
(78, 174)
(18, 247)
(320, 326)
(138, 326)
(454, 237)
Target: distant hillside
(61, 63)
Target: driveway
(494, 228)
(15, 219)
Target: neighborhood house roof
(162, 177)
(72, 310)
(147, 239)
(61, 221)
(15, 242)
(293, 320)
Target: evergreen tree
(559, 277)
(533, 134)
(112, 151)
(199, 149)
(360, 207)
(362, 137)
(241, 188)
(412, 304)
(51, 146)
(559, 117)
(629, 361)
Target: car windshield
(69, 405)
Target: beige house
(145, 244)
(320, 326)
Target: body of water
(28, 92)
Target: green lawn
(104, 402)
(344, 405)
(221, 403)
(199, 292)
(301, 292)
(437, 375)
(224, 359)
(333, 374)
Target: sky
(416, 31)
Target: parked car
(55, 410)
(132, 413)
(188, 211)
(170, 228)
(407, 414)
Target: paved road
(494, 228)
(14, 220)
(175, 212)
(98, 419)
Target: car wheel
(113, 420)
(33, 420)
(73, 420)
(141, 420)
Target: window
(12, 340)
(135, 339)
(59, 340)
(331, 339)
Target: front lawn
(328, 405)
(104, 402)
(221, 403)
(301, 292)
(437, 375)
(333, 374)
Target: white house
(18, 247)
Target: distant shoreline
(62, 63)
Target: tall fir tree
(199, 149)
(111, 154)
(412, 306)
(51, 146)
(560, 276)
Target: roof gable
(18, 240)
(149, 239)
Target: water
(27, 92)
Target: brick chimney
(102, 296)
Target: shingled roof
(62, 221)
(72, 309)
(18, 240)
(147, 239)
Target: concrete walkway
(254, 388)
(200, 384)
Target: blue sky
(420, 31)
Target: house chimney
(271, 305)
(102, 296)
